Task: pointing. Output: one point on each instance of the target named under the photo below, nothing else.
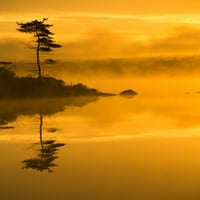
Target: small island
(14, 86)
(128, 93)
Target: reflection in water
(6, 127)
(11, 109)
(146, 148)
(52, 130)
(46, 153)
(46, 150)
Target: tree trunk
(38, 61)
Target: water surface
(144, 148)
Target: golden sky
(108, 28)
(103, 6)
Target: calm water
(144, 148)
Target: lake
(103, 148)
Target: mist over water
(106, 147)
(152, 76)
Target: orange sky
(105, 6)
(108, 28)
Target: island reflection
(10, 109)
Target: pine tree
(44, 40)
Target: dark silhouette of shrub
(14, 86)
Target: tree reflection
(47, 151)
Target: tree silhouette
(46, 153)
(44, 40)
